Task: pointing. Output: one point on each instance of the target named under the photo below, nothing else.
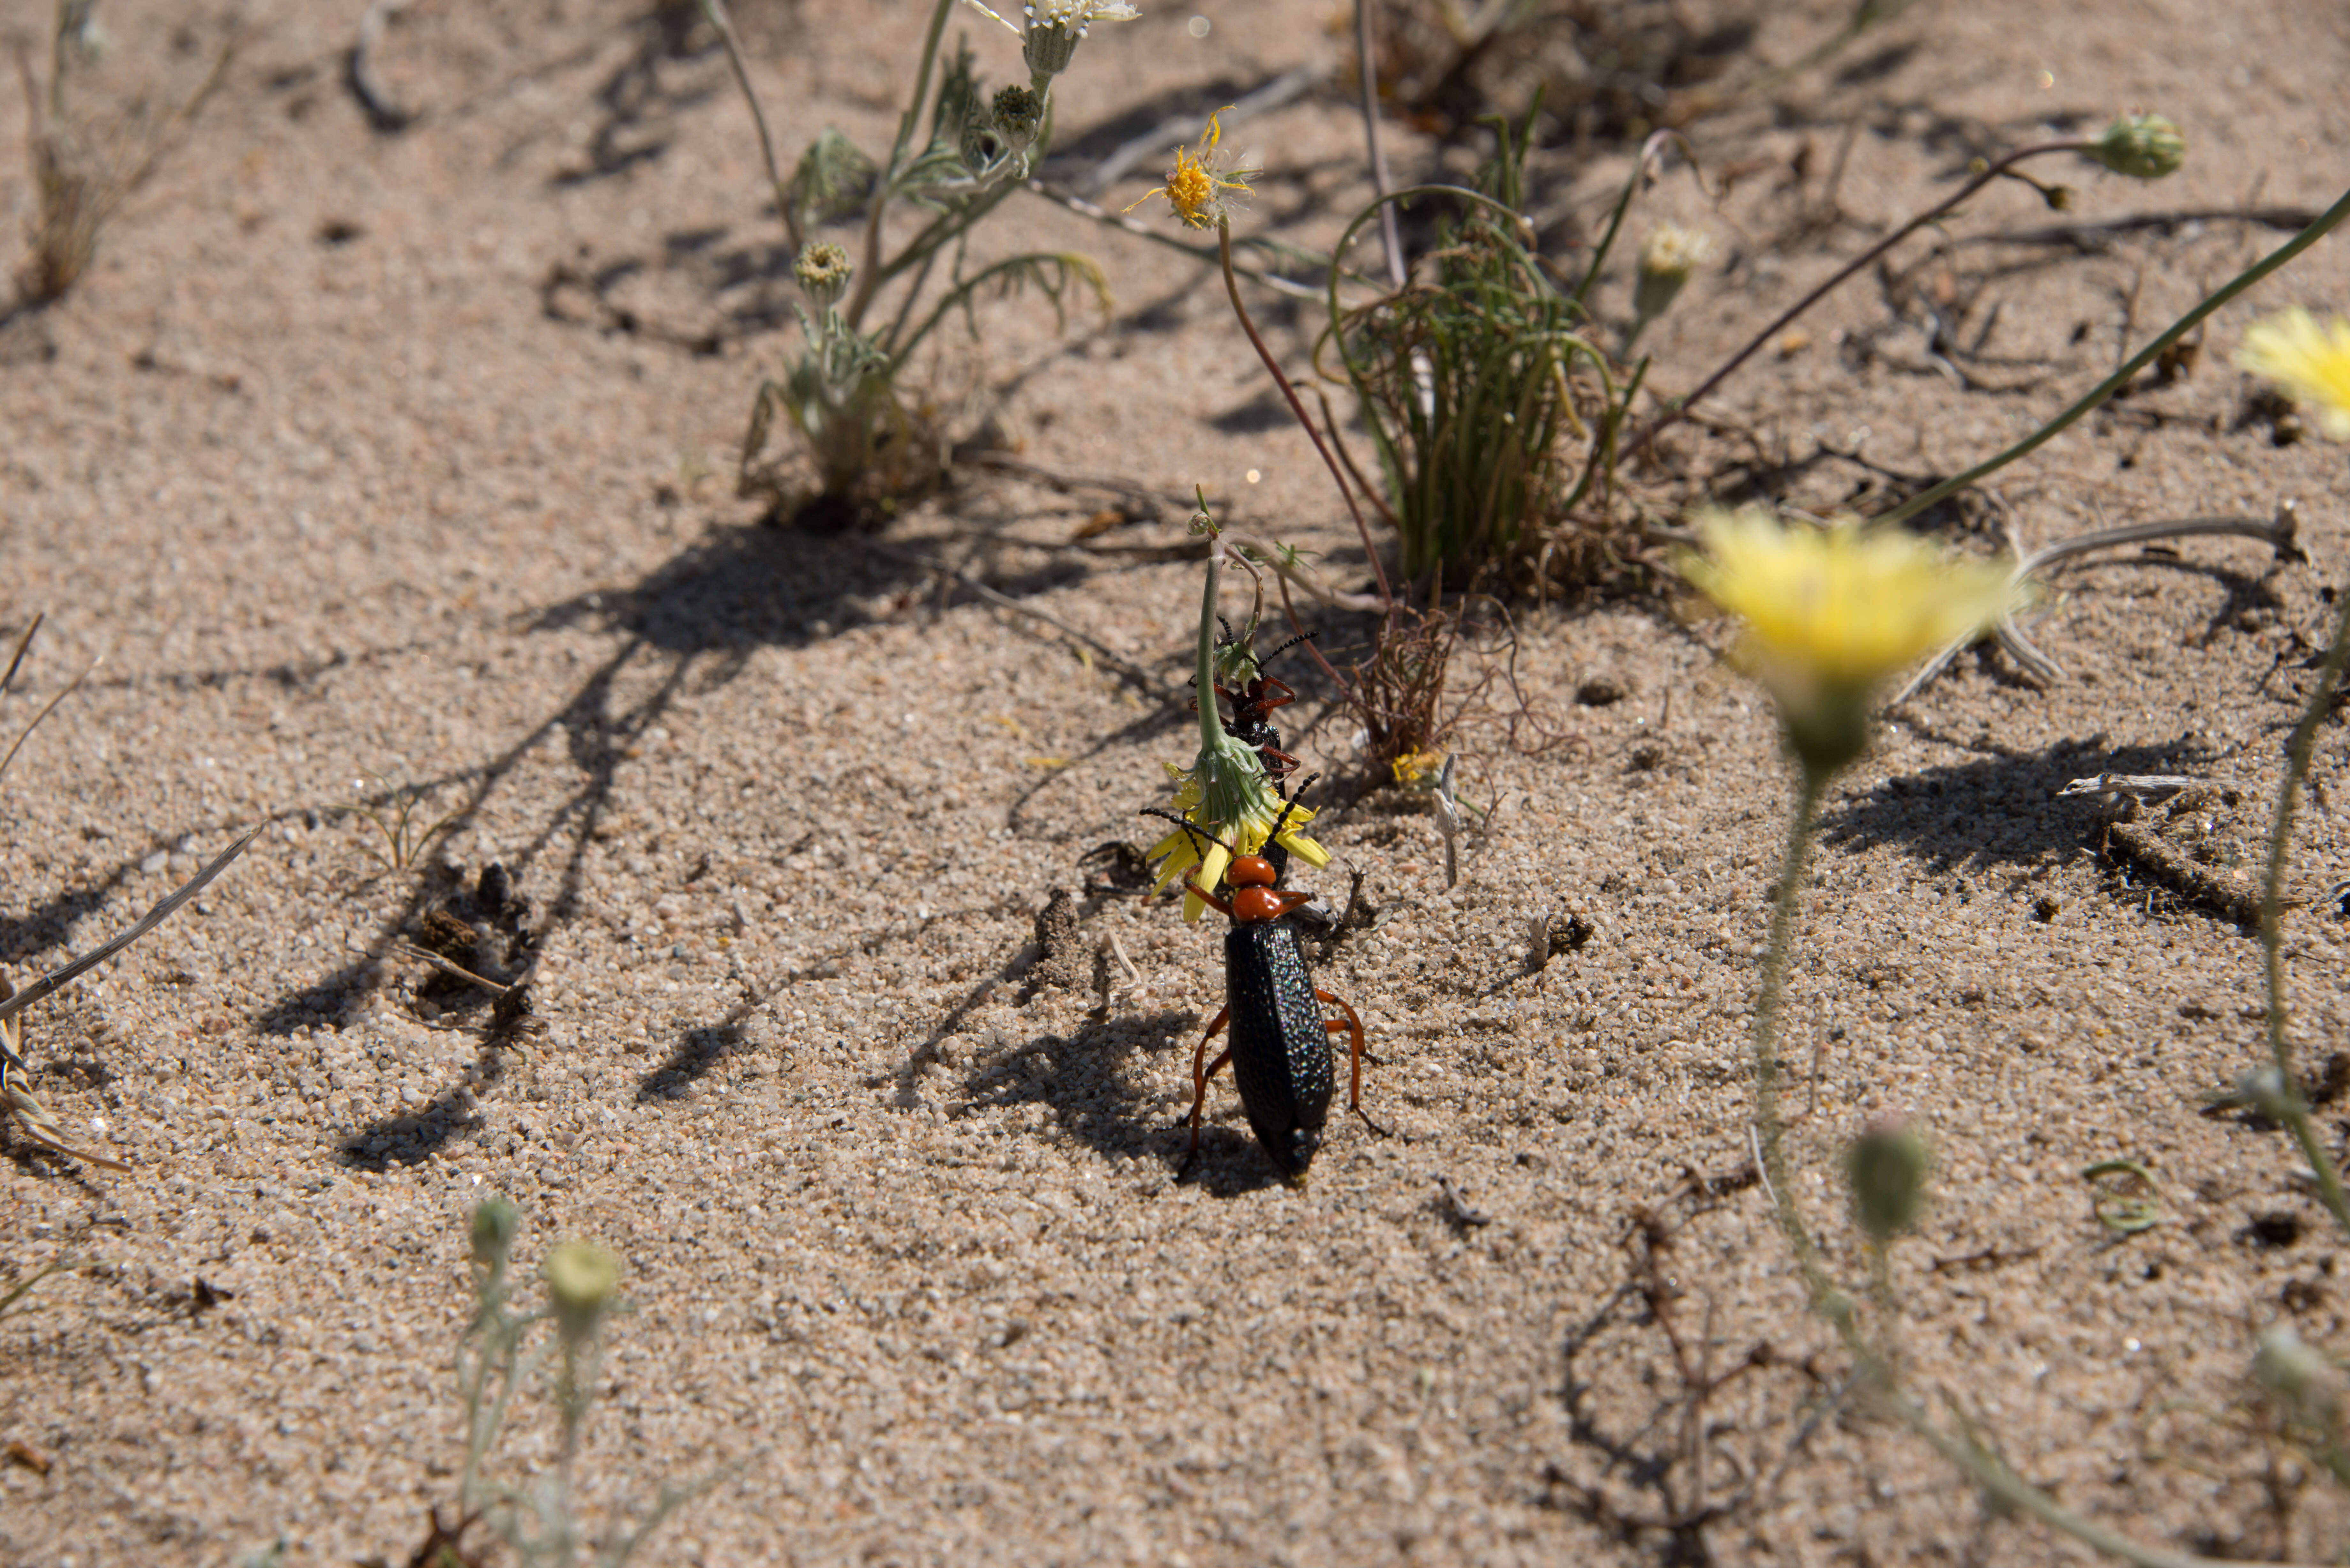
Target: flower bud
(980, 148)
(1669, 257)
(1888, 1166)
(2142, 146)
(824, 270)
(1019, 117)
(580, 1278)
(494, 1223)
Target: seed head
(2142, 146)
(823, 270)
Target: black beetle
(1279, 1048)
(1253, 706)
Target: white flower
(1054, 28)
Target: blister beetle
(1253, 706)
(1280, 1049)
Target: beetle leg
(1201, 1071)
(1191, 885)
(1353, 1025)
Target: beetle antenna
(1188, 825)
(1284, 648)
(1296, 798)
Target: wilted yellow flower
(1415, 766)
(2307, 359)
(1194, 185)
(1224, 791)
(1832, 612)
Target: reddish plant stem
(1232, 288)
(1673, 415)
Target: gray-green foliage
(502, 1354)
(842, 395)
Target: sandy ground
(381, 462)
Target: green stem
(869, 276)
(2114, 383)
(1212, 723)
(1873, 1365)
(1769, 1127)
(2298, 752)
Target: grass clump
(86, 165)
(1491, 413)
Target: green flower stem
(1673, 415)
(1769, 1127)
(1873, 1366)
(869, 274)
(715, 12)
(2114, 383)
(2297, 758)
(1379, 569)
(1212, 723)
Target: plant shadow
(411, 1138)
(1998, 809)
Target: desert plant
(392, 808)
(1472, 379)
(31, 1118)
(1398, 692)
(842, 398)
(1829, 618)
(84, 169)
(502, 1354)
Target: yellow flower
(2309, 360)
(1194, 184)
(1258, 811)
(1415, 766)
(1830, 613)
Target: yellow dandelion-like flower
(1832, 612)
(1181, 850)
(2308, 360)
(1195, 186)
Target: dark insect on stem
(1251, 722)
(1280, 1049)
